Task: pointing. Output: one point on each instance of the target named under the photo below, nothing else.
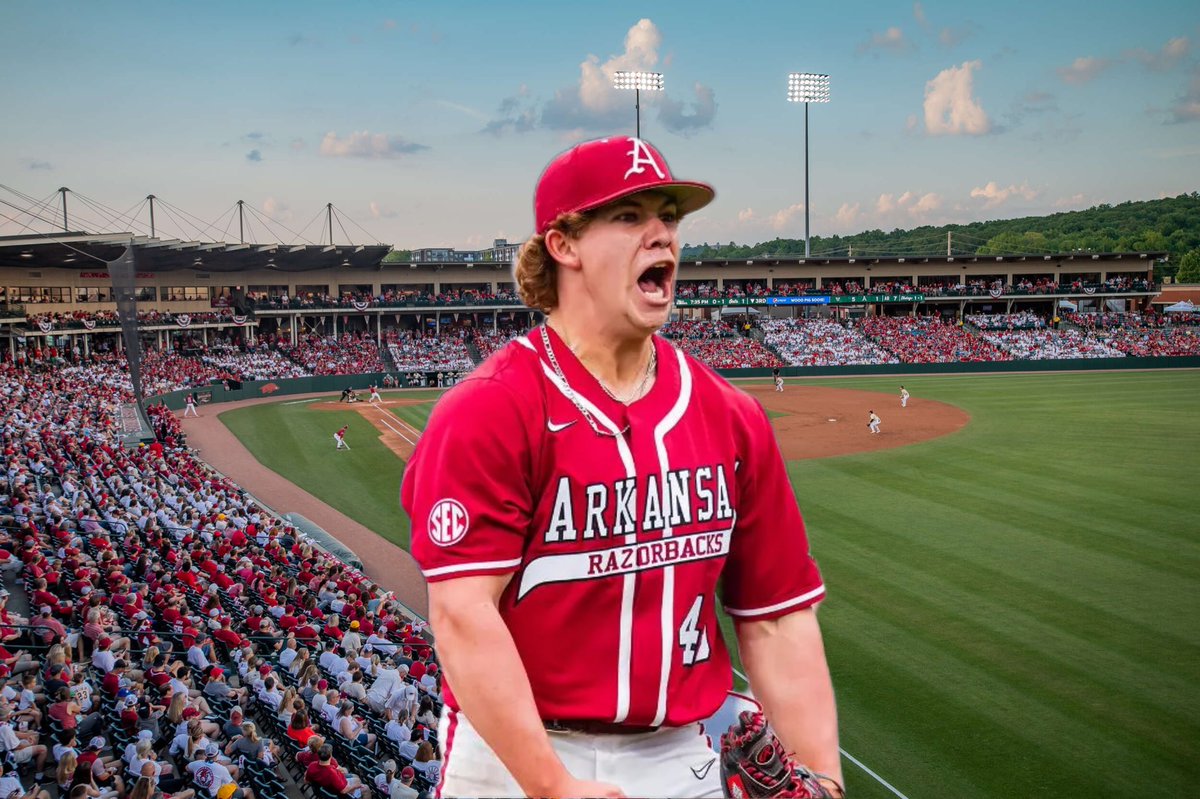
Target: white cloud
(783, 217)
(891, 40)
(848, 213)
(949, 107)
(745, 215)
(914, 205)
(593, 102)
(378, 211)
(686, 118)
(925, 205)
(276, 209)
(952, 36)
(364, 144)
(1083, 69)
(994, 195)
(593, 105)
(919, 15)
(298, 144)
(1187, 106)
(1171, 54)
(1074, 201)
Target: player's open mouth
(655, 282)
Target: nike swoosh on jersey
(558, 428)
(702, 773)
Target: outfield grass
(297, 442)
(1013, 609)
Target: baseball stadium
(1011, 554)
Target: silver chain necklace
(637, 392)
(570, 392)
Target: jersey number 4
(693, 638)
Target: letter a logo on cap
(642, 155)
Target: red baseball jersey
(615, 543)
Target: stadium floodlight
(639, 82)
(807, 87)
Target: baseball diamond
(892, 518)
(622, 400)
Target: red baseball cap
(598, 172)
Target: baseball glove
(753, 765)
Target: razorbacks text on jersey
(616, 543)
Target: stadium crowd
(413, 352)
(180, 638)
(1042, 344)
(821, 342)
(928, 339)
(348, 354)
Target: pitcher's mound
(821, 422)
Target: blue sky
(428, 123)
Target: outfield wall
(333, 384)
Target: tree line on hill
(1170, 225)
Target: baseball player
(340, 438)
(778, 380)
(190, 406)
(602, 483)
(903, 397)
(873, 422)
(375, 395)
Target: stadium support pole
(151, 198)
(63, 191)
(807, 87)
(241, 222)
(637, 80)
(806, 236)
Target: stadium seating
(170, 583)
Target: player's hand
(583, 789)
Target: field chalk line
(850, 757)
(395, 430)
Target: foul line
(383, 418)
(301, 402)
(399, 421)
(848, 756)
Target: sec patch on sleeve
(448, 522)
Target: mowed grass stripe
(1012, 608)
(1012, 558)
(296, 441)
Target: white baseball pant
(670, 762)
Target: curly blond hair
(536, 272)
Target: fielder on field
(903, 397)
(340, 438)
(575, 501)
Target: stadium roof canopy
(91, 250)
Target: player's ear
(562, 248)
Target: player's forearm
(492, 688)
(785, 660)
